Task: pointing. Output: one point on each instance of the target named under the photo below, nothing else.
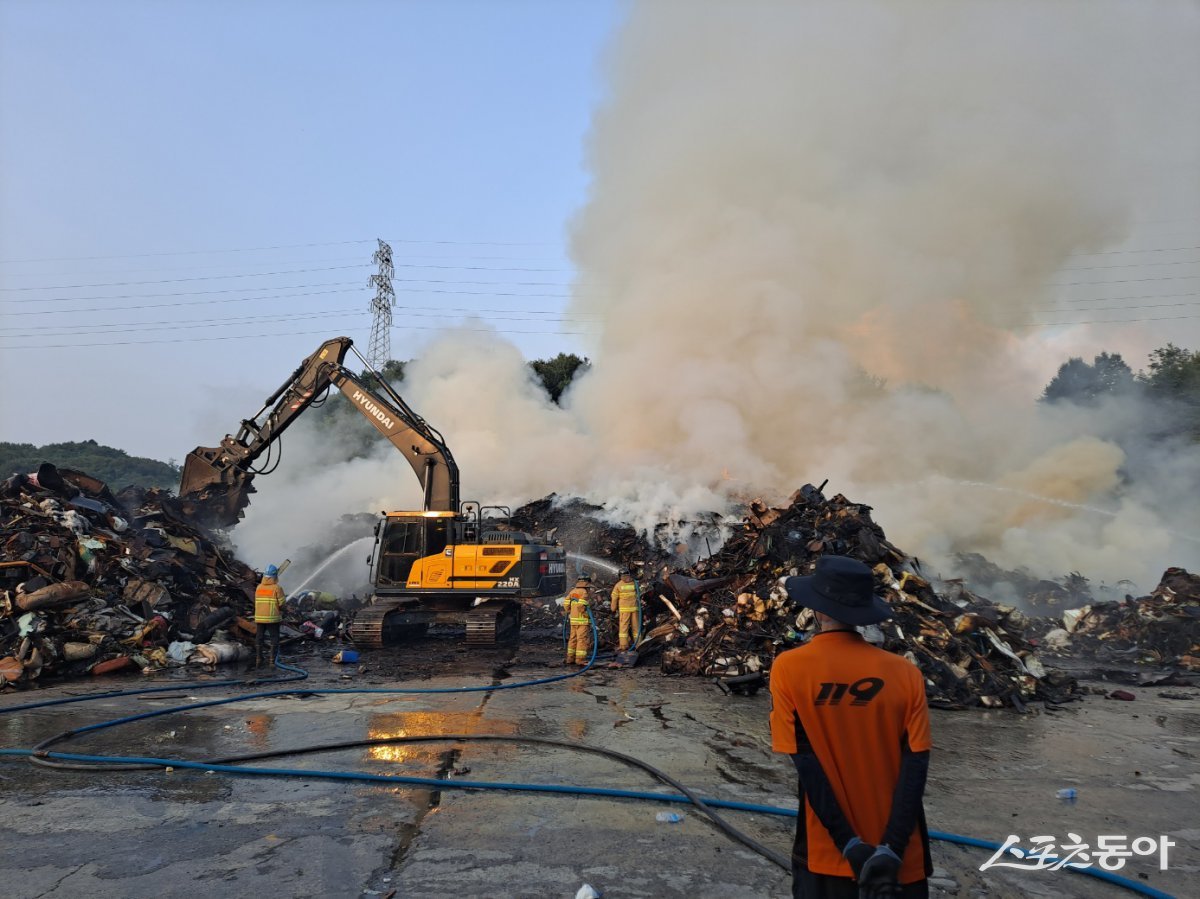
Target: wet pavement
(186, 833)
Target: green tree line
(1170, 385)
(113, 466)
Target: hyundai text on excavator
(448, 562)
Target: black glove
(878, 876)
(857, 852)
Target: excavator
(449, 562)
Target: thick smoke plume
(794, 201)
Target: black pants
(806, 885)
(267, 634)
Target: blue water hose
(362, 776)
(564, 789)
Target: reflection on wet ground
(413, 724)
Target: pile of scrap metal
(728, 615)
(1160, 629)
(92, 583)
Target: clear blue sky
(147, 131)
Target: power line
(189, 293)
(290, 246)
(259, 336)
(409, 310)
(298, 271)
(177, 293)
(225, 264)
(1095, 268)
(48, 331)
(277, 296)
(1110, 321)
(330, 268)
(1121, 308)
(1153, 250)
(469, 293)
(1125, 281)
(1114, 299)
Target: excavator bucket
(211, 494)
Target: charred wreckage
(93, 582)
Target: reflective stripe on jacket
(577, 606)
(268, 602)
(625, 597)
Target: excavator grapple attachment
(212, 493)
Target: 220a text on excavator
(451, 561)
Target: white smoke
(787, 196)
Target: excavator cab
(403, 539)
(442, 568)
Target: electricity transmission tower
(379, 352)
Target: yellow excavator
(450, 562)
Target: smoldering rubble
(93, 582)
(727, 616)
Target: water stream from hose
(1037, 497)
(581, 559)
(330, 560)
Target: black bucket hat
(843, 589)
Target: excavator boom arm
(419, 443)
(216, 482)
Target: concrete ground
(154, 834)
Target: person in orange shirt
(855, 721)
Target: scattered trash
(587, 891)
(1123, 695)
(346, 657)
(668, 818)
(1068, 795)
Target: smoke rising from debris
(791, 201)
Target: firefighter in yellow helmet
(268, 613)
(579, 641)
(626, 603)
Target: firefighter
(855, 721)
(268, 613)
(626, 602)
(579, 643)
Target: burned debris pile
(92, 582)
(589, 539)
(727, 615)
(1161, 629)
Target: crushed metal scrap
(92, 582)
(727, 616)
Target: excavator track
(369, 624)
(493, 622)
